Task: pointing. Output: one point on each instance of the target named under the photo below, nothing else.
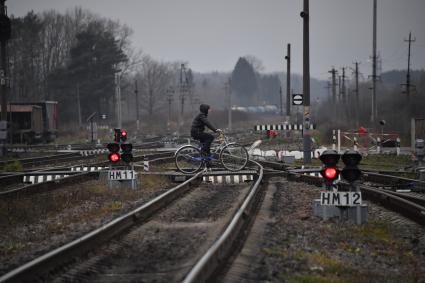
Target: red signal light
(114, 157)
(123, 135)
(330, 173)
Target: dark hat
(204, 108)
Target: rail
(64, 254)
(212, 259)
(77, 176)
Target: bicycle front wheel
(234, 157)
(188, 159)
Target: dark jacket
(201, 120)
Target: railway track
(153, 247)
(201, 226)
(409, 204)
(394, 182)
(48, 160)
(155, 231)
(12, 187)
(75, 152)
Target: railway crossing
(342, 194)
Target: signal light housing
(330, 158)
(330, 173)
(127, 155)
(117, 135)
(114, 157)
(351, 159)
(123, 135)
(114, 149)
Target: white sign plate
(297, 99)
(117, 175)
(341, 198)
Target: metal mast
(306, 83)
(374, 59)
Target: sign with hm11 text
(119, 175)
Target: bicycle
(232, 156)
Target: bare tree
(155, 77)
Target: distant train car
(33, 122)
(266, 109)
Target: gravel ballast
(292, 245)
(35, 225)
(166, 247)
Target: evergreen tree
(244, 83)
(94, 60)
(24, 52)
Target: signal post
(121, 171)
(337, 199)
(5, 35)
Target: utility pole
(228, 93)
(281, 101)
(118, 97)
(170, 93)
(136, 92)
(339, 98)
(79, 106)
(343, 94)
(374, 59)
(333, 72)
(182, 87)
(408, 84)
(344, 99)
(5, 33)
(288, 82)
(328, 89)
(356, 90)
(182, 90)
(306, 83)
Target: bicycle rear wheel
(188, 159)
(234, 157)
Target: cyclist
(198, 128)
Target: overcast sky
(212, 34)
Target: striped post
(378, 145)
(398, 146)
(146, 165)
(339, 141)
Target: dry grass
(379, 236)
(329, 267)
(32, 220)
(314, 278)
(385, 162)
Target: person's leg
(197, 137)
(206, 139)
